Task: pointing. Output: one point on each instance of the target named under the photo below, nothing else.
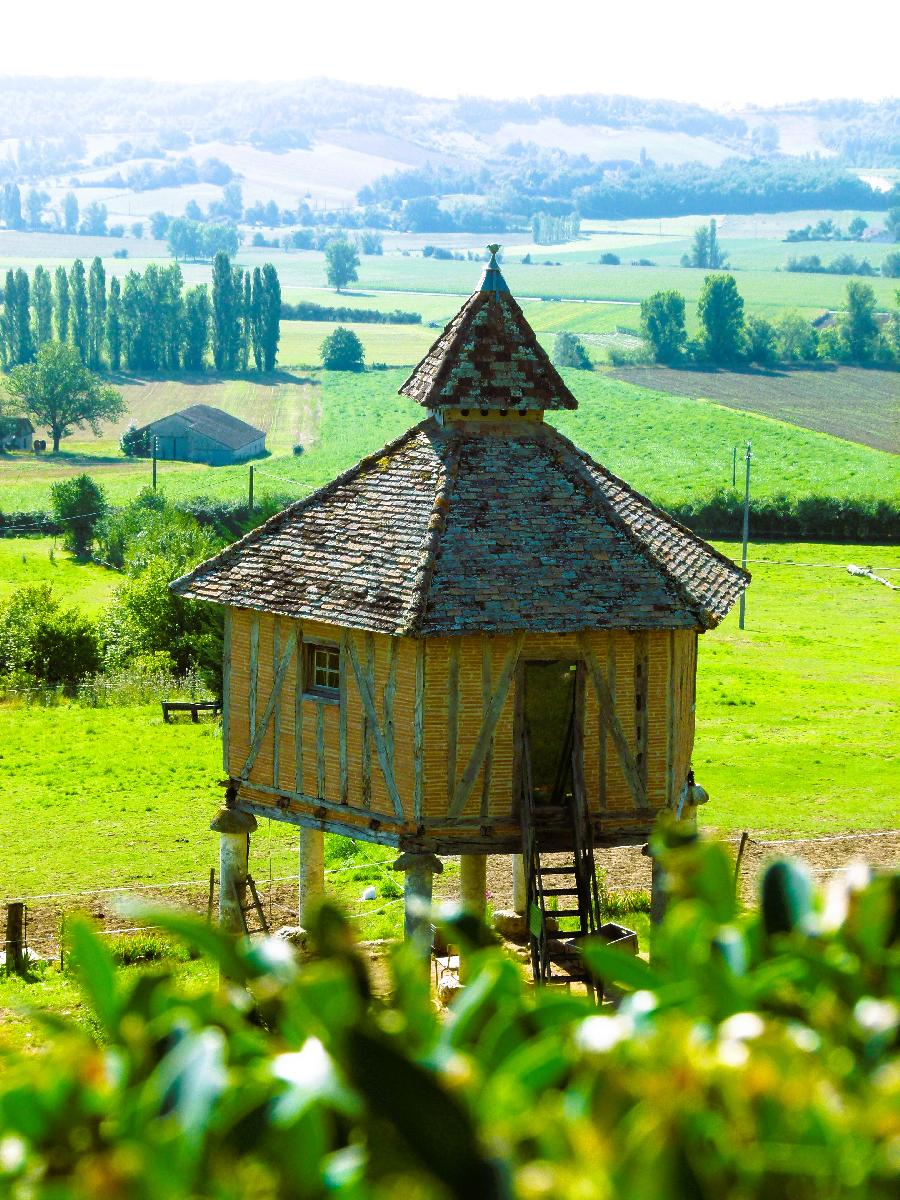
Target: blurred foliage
(752, 1058)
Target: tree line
(149, 322)
(728, 337)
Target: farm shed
(18, 434)
(205, 434)
(477, 640)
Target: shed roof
(214, 424)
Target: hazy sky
(761, 51)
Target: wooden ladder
(254, 907)
(555, 957)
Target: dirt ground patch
(625, 867)
(855, 403)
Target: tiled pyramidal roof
(488, 358)
(476, 526)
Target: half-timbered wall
(422, 733)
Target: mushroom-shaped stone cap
(410, 861)
(232, 820)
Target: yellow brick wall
(605, 780)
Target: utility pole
(154, 462)
(746, 534)
(250, 491)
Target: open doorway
(549, 718)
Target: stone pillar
(686, 823)
(234, 829)
(418, 877)
(472, 887)
(312, 871)
(518, 883)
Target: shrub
(630, 356)
(609, 259)
(44, 644)
(79, 505)
(752, 1058)
(761, 338)
(342, 351)
(890, 266)
(569, 351)
(135, 443)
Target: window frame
(323, 693)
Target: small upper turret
(488, 359)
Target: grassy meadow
(78, 582)
(672, 447)
(794, 718)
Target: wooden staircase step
(560, 891)
(563, 912)
(557, 870)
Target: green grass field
(25, 560)
(673, 448)
(795, 717)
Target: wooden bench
(194, 707)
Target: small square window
(324, 670)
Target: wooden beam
(327, 824)
(486, 673)
(320, 750)
(670, 721)
(226, 687)
(419, 731)
(602, 739)
(254, 673)
(390, 689)
(276, 716)
(604, 696)
(641, 644)
(342, 730)
(368, 699)
(298, 712)
(325, 805)
(263, 725)
(488, 725)
(452, 716)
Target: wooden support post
(312, 872)
(212, 892)
(16, 949)
(472, 889)
(234, 829)
(250, 491)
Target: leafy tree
(93, 219)
(342, 351)
(226, 305)
(42, 302)
(78, 504)
(61, 304)
(569, 351)
(232, 203)
(721, 312)
(45, 643)
(137, 229)
(892, 223)
(79, 309)
(858, 328)
(96, 312)
(12, 206)
(890, 266)
(796, 338)
(270, 316)
(114, 324)
(705, 250)
(370, 242)
(16, 345)
(70, 212)
(857, 227)
(159, 225)
(341, 263)
(35, 203)
(193, 211)
(196, 327)
(59, 392)
(761, 341)
(662, 324)
(246, 286)
(256, 323)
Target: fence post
(250, 491)
(15, 937)
(746, 536)
(212, 890)
(154, 462)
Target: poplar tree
(246, 320)
(256, 323)
(42, 301)
(70, 212)
(96, 312)
(79, 310)
(196, 327)
(61, 304)
(114, 325)
(8, 321)
(225, 313)
(271, 316)
(22, 344)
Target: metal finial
(492, 280)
